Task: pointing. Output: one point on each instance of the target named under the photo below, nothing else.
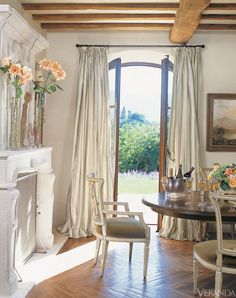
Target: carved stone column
(8, 216)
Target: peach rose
(55, 66)
(45, 64)
(26, 73)
(232, 181)
(60, 74)
(23, 81)
(6, 62)
(15, 69)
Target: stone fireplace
(13, 166)
(26, 178)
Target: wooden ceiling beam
(219, 17)
(222, 6)
(118, 6)
(103, 17)
(129, 26)
(100, 6)
(106, 26)
(187, 20)
(128, 17)
(217, 27)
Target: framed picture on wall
(221, 122)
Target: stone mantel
(14, 164)
(19, 29)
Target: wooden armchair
(119, 226)
(217, 255)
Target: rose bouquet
(47, 76)
(18, 75)
(226, 174)
(50, 72)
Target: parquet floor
(169, 274)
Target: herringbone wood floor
(169, 274)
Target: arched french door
(115, 72)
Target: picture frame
(221, 122)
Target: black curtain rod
(141, 46)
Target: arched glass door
(142, 112)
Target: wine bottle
(170, 176)
(189, 173)
(179, 174)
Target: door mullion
(116, 64)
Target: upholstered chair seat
(124, 227)
(207, 252)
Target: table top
(176, 207)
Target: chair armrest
(228, 252)
(125, 204)
(123, 213)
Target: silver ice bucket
(174, 185)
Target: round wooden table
(164, 205)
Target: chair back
(95, 194)
(217, 201)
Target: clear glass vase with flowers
(18, 75)
(48, 73)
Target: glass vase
(14, 104)
(3, 114)
(39, 115)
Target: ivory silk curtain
(92, 150)
(183, 137)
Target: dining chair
(204, 224)
(114, 225)
(217, 255)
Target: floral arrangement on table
(226, 174)
(47, 76)
(18, 75)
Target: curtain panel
(183, 137)
(92, 149)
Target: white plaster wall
(219, 75)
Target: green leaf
(18, 92)
(39, 89)
(53, 88)
(50, 84)
(4, 69)
(15, 83)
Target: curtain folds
(183, 137)
(91, 150)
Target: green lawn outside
(134, 184)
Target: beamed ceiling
(182, 18)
